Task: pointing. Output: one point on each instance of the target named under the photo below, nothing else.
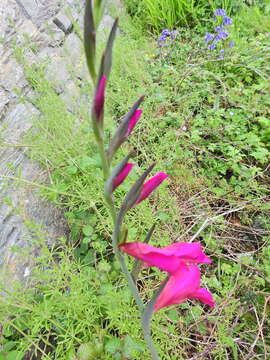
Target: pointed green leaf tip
(90, 39)
(106, 60)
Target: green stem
(120, 258)
(149, 341)
(146, 321)
(115, 242)
(117, 230)
(104, 161)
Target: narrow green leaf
(106, 60)
(90, 39)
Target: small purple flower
(166, 32)
(208, 37)
(222, 52)
(219, 28)
(174, 33)
(231, 44)
(212, 47)
(220, 12)
(161, 40)
(222, 35)
(227, 20)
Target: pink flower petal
(184, 282)
(168, 258)
(152, 256)
(150, 185)
(122, 175)
(204, 296)
(99, 98)
(133, 121)
(188, 252)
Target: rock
(26, 28)
(25, 207)
(55, 36)
(57, 72)
(71, 96)
(45, 33)
(4, 99)
(63, 22)
(18, 121)
(12, 76)
(20, 203)
(39, 11)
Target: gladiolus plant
(178, 260)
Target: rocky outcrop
(25, 218)
(48, 26)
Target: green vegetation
(206, 122)
(156, 15)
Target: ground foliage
(206, 123)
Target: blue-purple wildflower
(161, 40)
(220, 12)
(219, 28)
(222, 35)
(208, 37)
(165, 32)
(174, 33)
(167, 37)
(227, 20)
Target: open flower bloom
(98, 106)
(122, 175)
(150, 185)
(184, 284)
(168, 258)
(133, 121)
(220, 12)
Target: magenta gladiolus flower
(168, 258)
(122, 175)
(99, 99)
(184, 284)
(150, 185)
(133, 121)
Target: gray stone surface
(47, 29)
(39, 11)
(63, 22)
